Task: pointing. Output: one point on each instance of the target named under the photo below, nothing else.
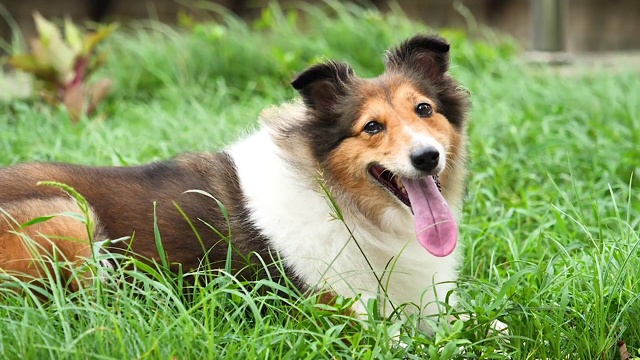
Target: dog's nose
(425, 159)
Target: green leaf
(62, 60)
(52, 50)
(37, 220)
(81, 200)
(449, 350)
(92, 40)
(80, 217)
(457, 326)
(40, 52)
(433, 353)
(72, 36)
(24, 62)
(28, 63)
(47, 31)
(156, 232)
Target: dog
(356, 187)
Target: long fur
(279, 185)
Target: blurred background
(545, 25)
(585, 34)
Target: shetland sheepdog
(356, 188)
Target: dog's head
(386, 143)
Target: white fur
(290, 209)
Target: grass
(550, 226)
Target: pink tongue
(436, 229)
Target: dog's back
(176, 196)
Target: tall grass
(550, 226)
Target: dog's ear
(322, 84)
(426, 55)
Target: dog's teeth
(400, 186)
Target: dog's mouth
(435, 225)
(393, 183)
(390, 181)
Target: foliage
(63, 65)
(266, 53)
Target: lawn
(551, 221)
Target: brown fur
(123, 199)
(28, 252)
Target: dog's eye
(424, 110)
(373, 127)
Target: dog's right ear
(322, 84)
(422, 54)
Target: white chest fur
(292, 211)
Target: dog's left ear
(322, 84)
(426, 55)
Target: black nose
(425, 159)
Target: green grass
(550, 225)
